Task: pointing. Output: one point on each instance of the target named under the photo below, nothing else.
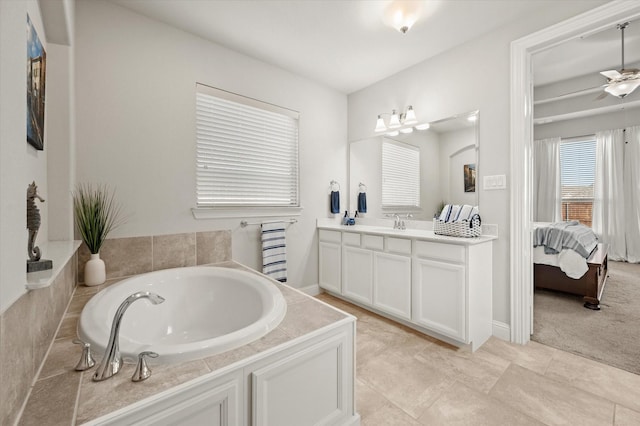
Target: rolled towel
(334, 202)
(465, 212)
(362, 202)
(444, 214)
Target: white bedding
(569, 262)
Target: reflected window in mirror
(400, 175)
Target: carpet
(610, 335)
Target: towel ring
(333, 183)
(362, 187)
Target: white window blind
(577, 168)
(400, 175)
(247, 151)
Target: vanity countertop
(63, 396)
(409, 233)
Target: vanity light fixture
(396, 120)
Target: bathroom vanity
(436, 284)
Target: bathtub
(207, 310)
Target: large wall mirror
(446, 157)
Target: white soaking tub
(207, 310)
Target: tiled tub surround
(129, 256)
(26, 331)
(60, 392)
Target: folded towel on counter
(444, 214)
(274, 251)
(362, 202)
(455, 209)
(465, 212)
(455, 213)
(334, 201)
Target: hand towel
(455, 209)
(362, 202)
(334, 201)
(274, 251)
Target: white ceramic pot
(94, 271)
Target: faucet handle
(86, 359)
(142, 370)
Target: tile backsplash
(128, 256)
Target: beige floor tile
(479, 370)
(549, 401)
(405, 381)
(626, 417)
(533, 356)
(461, 405)
(368, 400)
(616, 385)
(389, 415)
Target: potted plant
(96, 214)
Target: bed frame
(590, 285)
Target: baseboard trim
(501, 330)
(311, 290)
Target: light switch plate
(494, 182)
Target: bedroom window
(246, 152)
(577, 177)
(400, 176)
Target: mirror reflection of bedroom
(586, 196)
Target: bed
(581, 269)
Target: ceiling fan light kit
(622, 83)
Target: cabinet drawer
(442, 251)
(373, 242)
(329, 236)
(399, 246)
(351, 239)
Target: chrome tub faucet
(112, 360)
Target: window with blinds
(400, 176)
(246, 153)
(577, 178)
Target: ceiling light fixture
(397, 120)
(402, 14)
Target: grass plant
(96, 214)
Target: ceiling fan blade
(601, 96)
(611, 74)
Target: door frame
(521, 265)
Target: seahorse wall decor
(33, 221)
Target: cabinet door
(329, 268)
(439, 297)
(310, 387)
(357, 274)
(392, 284)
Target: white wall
(135, 127)
(20, 163)
(469, 77)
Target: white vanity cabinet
(439, 285)
(392, 278)
(330, 260)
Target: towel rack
(244, 223)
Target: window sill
(201, 213)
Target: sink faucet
(396, 223)
(112, 361)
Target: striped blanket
(566, 235)
(274, 251)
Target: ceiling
(582, 56)
(341, 44)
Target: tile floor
(406, 378)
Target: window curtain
(546, 190)
(632, 193)
(616, 205)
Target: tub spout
(112, 361)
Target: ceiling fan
(621, 83)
